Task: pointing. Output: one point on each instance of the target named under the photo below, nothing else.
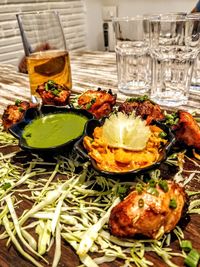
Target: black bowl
(89, 129)
(33, 113)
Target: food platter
(70, 258)
(85, 184)
(90, 70)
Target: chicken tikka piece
(15, 113)
(52, 93)
(186, 129)
(98, 102)
(150, 210)
(143, 107)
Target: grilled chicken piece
(53, 93)
(187, 131)
(98, 102)
(143, 107)
(151, 212)
(15, 113)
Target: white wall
(127, 8)
(94, 24)
(72, 14)
(134, 7)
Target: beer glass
(45, 49)
(174, 46)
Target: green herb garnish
(46, 87)
(152, 183)
(50, 82)
(162, 135)
(49, 85)
(53, 87)
(93, 100)
(186, 245)
(18, 102)
(138, 99)
(172, 203)
(122, 190)
(193, 255)
(55, 92)
(163, 185)
(139, 188)
(20, 109)
(192, 258)
(171, 119)
(89, 105)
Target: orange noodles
(122, 160)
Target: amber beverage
(49, 65)
(45, 49)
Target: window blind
(72, 15)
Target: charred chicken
(99, 102)
(52, 93)
(143, 107)
(14, 113)
(187, 130)
(153, 210)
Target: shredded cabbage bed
(69, 201)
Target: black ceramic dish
(89, 129)
(33, 113)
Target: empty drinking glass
(174, 45)
(132, 55)
(195, 85)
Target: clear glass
(174, 45)
(132, 55)
(195, 85)
(45, 48)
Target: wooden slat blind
(72, 14)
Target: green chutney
(54, 129)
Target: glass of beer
(45, 48)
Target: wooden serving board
(90, 70)
(9, 257)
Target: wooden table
(90, 70)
